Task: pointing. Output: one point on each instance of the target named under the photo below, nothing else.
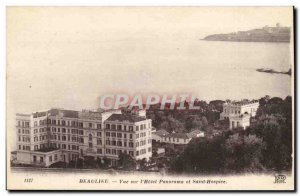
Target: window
(90, 137)
(113, 143)
(90, 125)
(119, 127)
(99, 151)
(55, 157)
(114, 151)
(130, 136)
(107, 126)
(81, 140)
(107, 134)
(41, 159)
(119, 143)
(137, 153)
(107, 151)
(90, 145)
(119, 135)
(74, 139)
(99, 142)
(137, 128)
(131, 144)
(130, 128)
(113, 127)
(98, 126)
(113, 134)
(124, 127)
(34, 158)
(141, 127)
(63, 138)
(131, 153)
(99, 134)
(50, 159)
(125, 135)
(107, 142)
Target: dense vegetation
(264, 146)
(186, 120)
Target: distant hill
(265, 34)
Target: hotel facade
(44, 138)
(239, 113)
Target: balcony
(90, 151)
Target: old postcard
(150, 98)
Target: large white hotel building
(44, 138)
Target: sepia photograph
(150, 98)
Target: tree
(89, 162)
(142, 164)
(126, 162)
(274, 126)
(203, 155)
(243, 153)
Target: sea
(228, 69)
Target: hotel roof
(64, 113)
(194, 133)
(125, 117)
(241, 103)
(178, 135)
(161, 132)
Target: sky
(69, 56)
